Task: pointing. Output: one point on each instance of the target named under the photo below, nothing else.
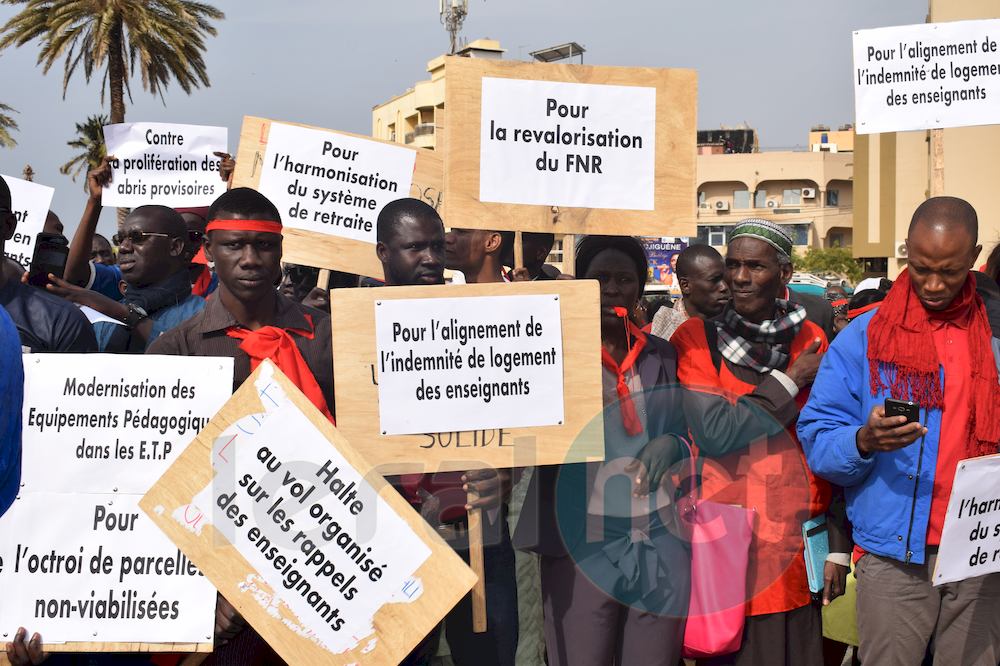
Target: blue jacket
(888, 494)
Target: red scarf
(276, 344)
(204, 281)
(903, 360)
(630, 418)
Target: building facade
(810, 191)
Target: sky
(778, 65)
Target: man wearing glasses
(148, 291)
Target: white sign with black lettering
(475, 363)
(970, 539)
(927, 76)
(167, 164)
(312, 526)
(94, 568)
(567, 144)
(332, 183)
(110, 423)
(30, 204)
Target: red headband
(265, 226)
(851, 314)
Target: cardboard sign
(330, 186)
(326, 561)
(970, 539)
(612, 148)
(167, 164)
(30, 202)
(469, 420)
(79, 562)
(927, 76)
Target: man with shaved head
(929, 343)
(701, 275)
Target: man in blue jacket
(930, 343)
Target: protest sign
(613, 148)
(970, 539)
(662, 254)
(79, 562)
(329, 187)
(485, 383)
(927, 76)
(113, 424)
(326, 561)
(164, 163)
(30, 202)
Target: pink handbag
(720, 550)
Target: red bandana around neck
(633, 425)
(275, 343)
(903, 360)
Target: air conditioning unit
(901, 252)
(772, 203)
(721, 205)
(704, 205)
(808, 193)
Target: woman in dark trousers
(614, 573)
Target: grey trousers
(900, 614)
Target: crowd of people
(743, 392)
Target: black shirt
(46, 323)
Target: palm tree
(164, 39)
(7, 124)
(90, 142)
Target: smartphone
(51, 252)
(910, 410)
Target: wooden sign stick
(478, 566)
(323, 281)
(518, 250)
(937, 162)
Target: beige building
(893, 170)
(811, 192)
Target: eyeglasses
(195, 236)
(136, 237)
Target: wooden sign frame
(444, 576)
(676, 147)
(579, 439)
(311, 248)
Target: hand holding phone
(890, 427)
(50, 255)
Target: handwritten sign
(970, 539)
(167, 164)
(927, 76)
(612, 148)
(329, 187)
(326, 561)
(79, 562)
(30, 203)
(487, 393)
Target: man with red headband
(930, 342)
(249, 320)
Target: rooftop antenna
(453, 13)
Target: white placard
(970, 539)
(331, 183)
(164, 163)
(567, 144)
(312, 526)
(476, 363)
(927, 76)
(94, 568)
(111, 423)
(30, 203)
